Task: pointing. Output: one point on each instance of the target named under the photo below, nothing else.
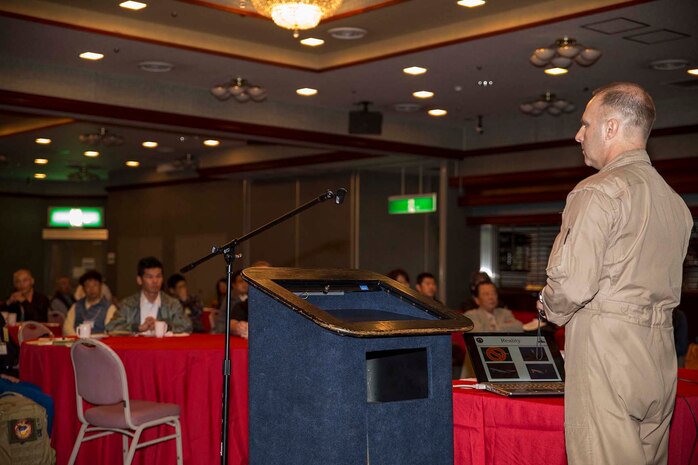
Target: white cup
(160, 328)
(84, 330)
(12, 319)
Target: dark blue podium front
(347, 367)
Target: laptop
(517, 364)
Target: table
(181, 370)
(489, 429)
(55, 328)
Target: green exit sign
(409, 204)
(75, 217)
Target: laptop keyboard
(533, 386)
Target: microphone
(339, 197)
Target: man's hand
(12, 379)
(148, 325)
(239, 328)
(16, 297)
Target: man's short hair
(632, 101)
(91, 274)
(422, 276)
(173, 280)
(398, 272)
(147, 263)
(477, 278)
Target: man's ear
(611, 128)
(139, 280)
(477, 301)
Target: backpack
(23, 436)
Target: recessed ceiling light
(149, 144)
(40, 175)
(693, 71)
(131, 5)
(312, 42)
(306, 91)
(423, 94)
(437, 112)
(40, 161)
(42, 141)
(91, 153)
(414, 70)
(212, 143)
(671, 64)
(471, 3)
(155, 66)
(347, 33)
(556, 71)
(133, 164)
(91, 56)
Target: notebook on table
(517, 364)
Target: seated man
(63, 297)
(488, 317)
(193, 308)
(139, 312)
(426, 285)
(25, 302)
(94, 308)
(238, 316)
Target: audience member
(25, 302)
(63, 297)
(221, 288)
(400, 276)
(475, 279)
(489, 317)
(192, 305)
(238, 313)
(426, 285)
(139, 312)
(106, 293)
(94, 308)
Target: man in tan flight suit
(614, 277)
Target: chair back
(56, 317)
(100, 378)
(32, 330)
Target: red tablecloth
(185, 371)
(495, 430)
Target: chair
(55, 316)
(100, 380)
(32, 330)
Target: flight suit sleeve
(578, 253)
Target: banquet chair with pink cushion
(100, 380)
(32, 330)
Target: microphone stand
(228, 252)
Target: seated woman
(94, 308)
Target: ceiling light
(312, 42)
(240, 89)
(149, 144)
(437, 112)
(306, 91)
(91, 153)
(131, 5)
(563, 53)
(671, 64)
(42, 141)
(133, 164)
(556, 71)
(40, 161)
(212, 143)
(91, 56)
(40, 175)
(294, 14)
(347, 33)
(101, 137)
(423, 94)
(471, 3)
(693, 71)
(547, 103)
(414, 70)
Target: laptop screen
(510, 357)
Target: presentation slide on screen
(516, 358)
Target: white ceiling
(49, 35)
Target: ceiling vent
(155, 66)
(347, 33)
(672, 64)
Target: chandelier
(296, 15)
(547, 103)
(562, 54)
(241, 90)
(103, 137)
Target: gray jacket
(128, 315)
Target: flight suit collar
(626, 158)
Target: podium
(347, 367)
